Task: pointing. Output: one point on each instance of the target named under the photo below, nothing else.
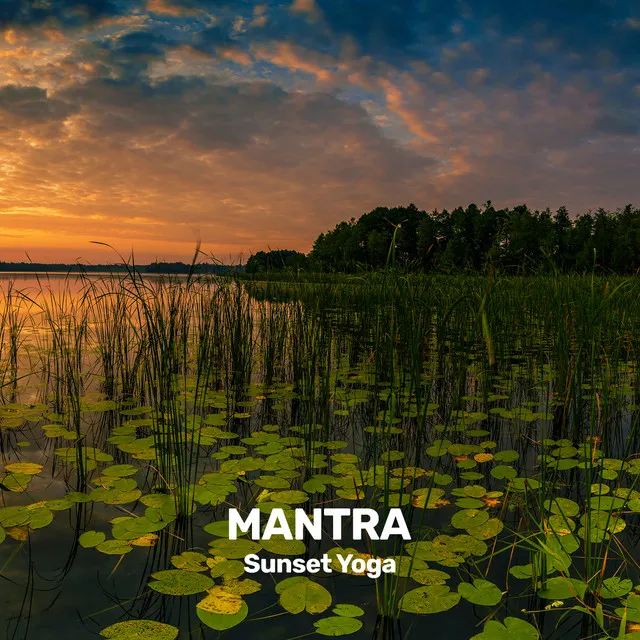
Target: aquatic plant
(499, 414)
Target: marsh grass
(510, 400)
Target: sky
(153, 125)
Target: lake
(500, 415)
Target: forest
(466, 239)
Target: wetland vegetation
(499, 413)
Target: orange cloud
(236, 55)
(168, 8)
(287, 55)
(414, 121)
(308, 7)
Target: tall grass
(388, 362)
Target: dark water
(52, 588)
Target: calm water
(54, 588)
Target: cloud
(238, 163)
(160, 121)
(289, 56)
(67, 13)
(29, 115)
(617, 124)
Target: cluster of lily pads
(511, 512)
(469, 480)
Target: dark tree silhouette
(514, 240)
(277, 260)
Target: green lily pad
(522, 571)
(190, 561)
(345, 457)
(511, 629)
(120, 470)
(131, 528)
(272, 482)
(174, 582)
(226, 568)
(14, 516)
(233, 549)
(337, 626)
(429, 577)
(503, 472)
(77, 497)
(278, 545)
(314, 485)
(567, 543)
(481, 592)
(508, 455)
(431, 599)
(347, 610)
(289, 497)
(524, 484)
(300, 594)
(474, 491)
(489, 529)
(469, 503)
(219, 621)
(615, 587)
(59, 505)
(468, 518)
(220, 528)
(140, 630)
(115, 496)
(631, 609)
(90, 539)
(561, 588)
(40, 518)
(562, 507)
(113, 547)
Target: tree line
(152, 268)
(472, 238)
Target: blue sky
(154, 124)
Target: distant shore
(166, 268)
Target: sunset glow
(154, 125)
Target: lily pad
(26, 468)
(511, 629)
(221, 601)
(120, 470)
(561, 588)
(272, 482)
(174, 582)
(290, 497)
(489, 529)
(615, 587)
(114, 547)
(347, 610)
(429, 576)
(233, 549)
(431, 599)
(221, 529)
(337, 626)
(301, 594)
(469, 518)
(219, 621)
(278, 545)
(140, 630)
(220, 567)
(481, 592)
(90, 539)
